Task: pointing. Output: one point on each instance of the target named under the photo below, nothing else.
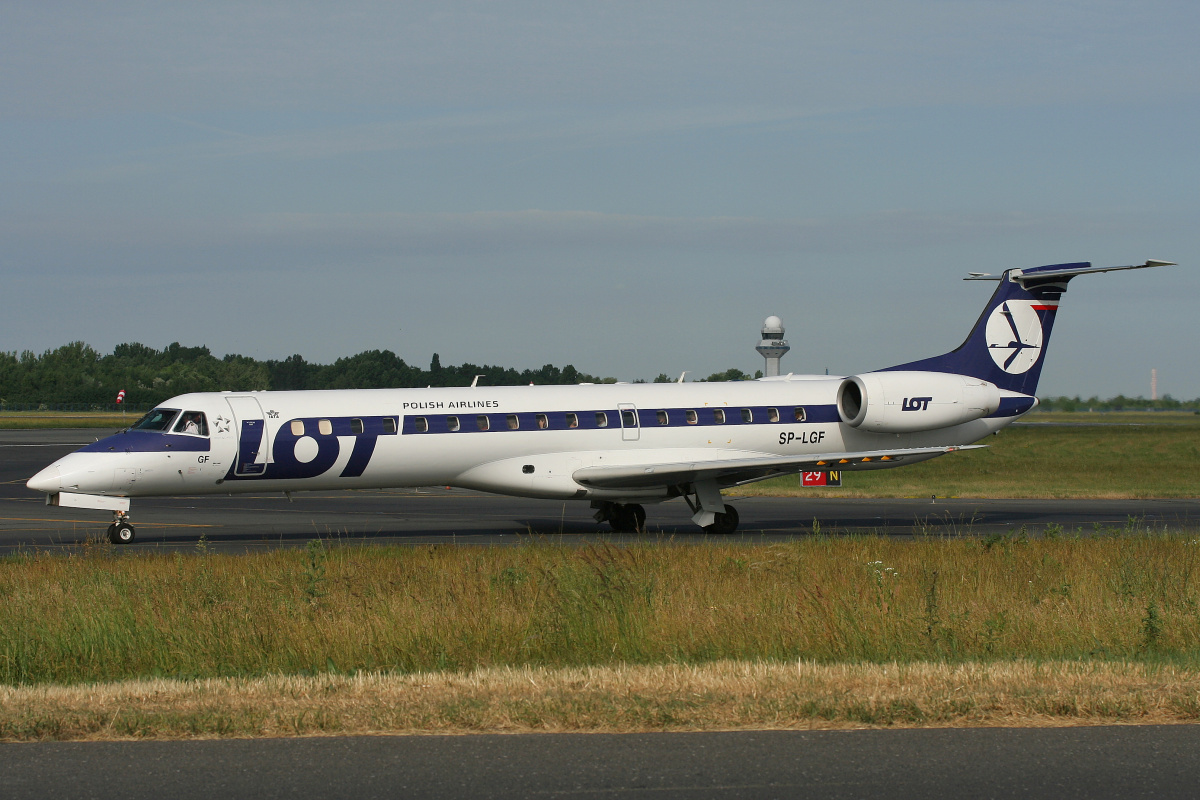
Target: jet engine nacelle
(906, 402)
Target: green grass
(1126, 455)
(30, 420)
(109, 615)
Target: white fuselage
(344, 439)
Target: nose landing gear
(121, 532)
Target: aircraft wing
(733, 471)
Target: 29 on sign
(821, 478)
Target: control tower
(773, 346)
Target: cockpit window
(159, 419)
(192, 422)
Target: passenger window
(629, 419)
(772, 415)
(389, 425)
(601, 419)
(356, 426)
(482, 422)
(798, 414)
(662, 416)
(421, 424)
(747, 415)
(192, 422)
(572, 420)
(542, 422)
(692, 417)
(297, 427)
(325, 427)
(511, 419)
(719, 416)
(452, 424)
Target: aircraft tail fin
(1007, 346)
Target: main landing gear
(710, 511)
(121, 532)
(623, 517)
(725, 523)
(631, 517)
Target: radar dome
(772, 322)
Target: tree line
(78, 376)
(1118, 403)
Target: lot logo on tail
(1014, 334)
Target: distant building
(773, 346)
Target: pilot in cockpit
(192, 422)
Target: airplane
(616, 446)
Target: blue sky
(629, 187)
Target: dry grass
(819, 632)
(721, 696)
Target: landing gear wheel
(121, 533)
(627, 518)
(638, 515)
(725, 523)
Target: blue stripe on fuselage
(148, 442)
(647, 418)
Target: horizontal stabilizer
(732, 471)
(1064, 270)
(1007, 347)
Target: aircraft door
(630, 430)
(251, 456)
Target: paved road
(438, 515)
(1152, 761)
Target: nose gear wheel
(121, 532)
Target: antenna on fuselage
(475, 382)
(685, 372)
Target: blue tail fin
(1007, 346)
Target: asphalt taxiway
(443, 516)
(1122, 761)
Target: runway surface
(1151, 761)
(443, 516)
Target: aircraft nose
(48, 480)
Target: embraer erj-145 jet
(616, 446)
